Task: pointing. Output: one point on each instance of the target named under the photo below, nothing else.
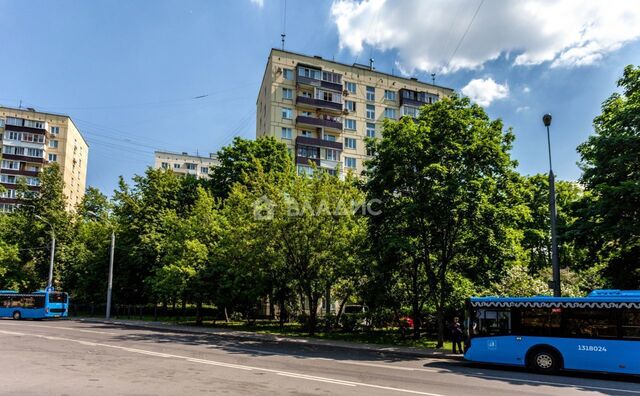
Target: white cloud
(259, 3)
(526, 89)
(522, 108)
(485, 91)
(426, 32)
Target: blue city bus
(38, 305)
(600, 332)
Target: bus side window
(5, 301)
(631, 324)
(492, 322)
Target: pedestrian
(456, 335)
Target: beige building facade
(324, 110)
(185, 164)
(32, 140)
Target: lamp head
(546, 119)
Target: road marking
(296, 375)
(222, 364)
(62, 328)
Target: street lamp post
(546, 119)
(107, 314)
(53, 251)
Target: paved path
(79, 358)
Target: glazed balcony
(308, 141)
(318, 123)
(319, 104)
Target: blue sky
(127, 71)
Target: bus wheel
(545, 361)
(17, 315)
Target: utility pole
(546, 119)
(53, 252)
(110, 282)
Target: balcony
(307, 141)
(25, 126)
(313, 82)
(319, 122)
(415, 98)
(23, 158)
(20, 172)
(307, 161)
(319, 104)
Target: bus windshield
(57, 297)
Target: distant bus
(600, 332)
(39, 305)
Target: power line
(473, 18)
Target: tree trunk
(327, 308)
(283, 312)
(272, 307)
(198, 312)
(340, 309)
(313, 314)
(415, 302)
(226, 315)
(440, 308)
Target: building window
(350, 162)
(165, 165)
(371, 129)
(350, 143)
(331, 155)
(350, 124)
(390, 113)
(308, 152)
(389, 95)
(53, 157)
(287, 74)
(309, 73)
(55, 130)
(371, 94)
(1, 122)
(32, 152)
(204, 169)
(176, 166)
(332, 77)
(350, 105)
(191, 166)
(8, 193)
(329, 138)
(53, 143)
(287, 113)
(410, 111)
(286, 133)
(351, 87)
(287, 93)
(305, 170)
(306, 134)
(371, 112)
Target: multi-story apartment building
(30, 141)
(324, 110)
(185, 164)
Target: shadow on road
(519, 376)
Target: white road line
(228, 365)
(480, 375)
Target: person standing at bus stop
(456, 335)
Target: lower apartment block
(185, 164)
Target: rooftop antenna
(433, 78)
(284, 23)
(20, 104)
(371, 63)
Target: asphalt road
(73, 358)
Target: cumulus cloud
(527, 32)
(485, 91)
(523, 109)
(259, 3)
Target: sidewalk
(164, 326)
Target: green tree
(446, 183)
(242, 159)
(610, 160)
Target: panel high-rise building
(31, 140)
(324, 110)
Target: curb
(405, 351)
